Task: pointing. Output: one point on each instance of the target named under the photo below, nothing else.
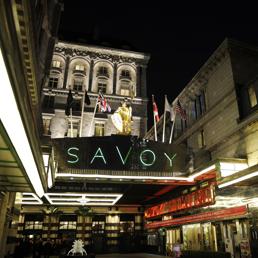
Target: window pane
(202, 102)
(200, 139)
(77, 84)
(53, 82)
(99, 129)
(56, 64)
(79, 67)
(125, 92)
(252, 96)
(102, 87)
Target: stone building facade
(220, 133)
(118, 74)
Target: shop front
(225, 230)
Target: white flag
(169, 108)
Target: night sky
(178, 44)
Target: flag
(102, 103)
(169, 108)
(155, 110)
(87, 99)
(180, 110)
(69, 103)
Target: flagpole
(154, 120)
(164, 120)
(71, 118)
(83, 105)
(95, 109)
(172, 129)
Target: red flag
(155, 111)
(180, 110)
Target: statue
(122, 118)
(77, 248)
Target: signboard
(197, 198)
(118, 153)
(211, 215)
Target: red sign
(198, 198)
(211, 215)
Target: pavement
(134, 255)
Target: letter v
(127, 155)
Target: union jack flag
(102, 103)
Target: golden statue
(122, 118)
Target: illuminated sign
(205, 216)
(198, 198)
(118, 153)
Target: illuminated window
(125, 88)
(126, 226)
(33, 225)
(53, 82)
(99, 129)
(102, 86)
(78, 84)
(67, 224)
(252, 96)
(98, 226)
(201, 139)
(56, 64)
(125, 92)
(79, 67)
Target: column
(143, 81)
(138, 81)
(91, 75)
(114, 78)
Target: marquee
(118, 153)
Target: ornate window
(125, 74)
(78, 84)
(103, 71)
(53, 82)
(102, 86)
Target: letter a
(98, 156)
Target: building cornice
(103, 53)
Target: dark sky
(178, 44)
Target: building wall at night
(28, 34)
(220, 121)
(119, 74)
(220, 132)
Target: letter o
(153, 155)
